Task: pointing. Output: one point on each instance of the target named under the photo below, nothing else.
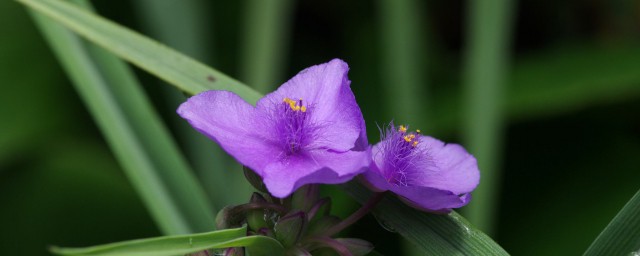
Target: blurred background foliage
(564, 123)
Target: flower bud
(357, 247)
(257, 219)
(229, 217)
(304, 198)
(320, 209)
(289, 229)
(254, 179)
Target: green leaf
(434, 234)
(622, 235)
(264, 42)
(402, 35)
(183, 244)
(486, 69)
(141, 143)
(185, 73)
(188, 31)
(555, 82)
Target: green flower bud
(257, 219)
(304, 198)
(290, 228)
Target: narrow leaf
(189, 31)
(403, 46)
(265, 41)
(434, 234)
(182, 244)
(622, 235)
(187, 74)
(489, 35)
(140, 141)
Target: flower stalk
(357, 215)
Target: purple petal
(224, 117)
(325, 90)
(374, 180)
(285, 176)
(431, 199)
(456, 170)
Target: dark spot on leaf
(211, 78)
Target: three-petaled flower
(310, 130)
(425, 172)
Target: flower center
(293, 127)
(400, 155)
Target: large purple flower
(310, 130)
(425, 172)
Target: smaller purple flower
(426, 173)
(310, 130)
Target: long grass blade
(182, 244)
(175, 68)
(403, 47)
(622, 235)
(133, 130)
(433, 234)
(264, 44)
(185, 32)
(556, 82)
(488, 36)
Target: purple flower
(310, 130)
(425, 172)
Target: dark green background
(572, 140)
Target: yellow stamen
(418, 131)
(409, 138)
(415, 143)
(294, 105)
(402, 129)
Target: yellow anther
(418, 131)
(402, 129)
(415, 143)
(409, 138)
(294, 105)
